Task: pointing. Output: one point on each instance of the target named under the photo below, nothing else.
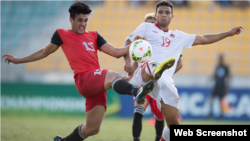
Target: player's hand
(137, 37)
(10, 58)
(128, 67)
(237, 30)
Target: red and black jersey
(79, 49)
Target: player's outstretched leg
(143, 90)
(162, 67)
(152, 70)
(76, 135)
(58, 138)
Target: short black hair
(164, 3)
(79, 8)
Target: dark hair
(221, 56)
(165, 3)
(79, 8)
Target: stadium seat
(18, 16)
(115, 20)
(196, 21)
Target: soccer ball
(140, 51)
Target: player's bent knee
(111, 76)
(93, 131)
(174, 121)
(145, 76)
(115, 75)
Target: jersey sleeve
(100, 40)
(56, 39)
(140, 30)
(187, 40)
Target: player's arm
(127, 62)
(135, 66)
(127, 66)
(117, 52)
(132, 37)
(110, 49)
(131, 74)
(113, 51)
(179, 65)
(38, 55)
(211, 38)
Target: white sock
(166, 133)
(150, 66)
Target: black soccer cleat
(58, 138)
(143, 91)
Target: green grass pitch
(44, 128)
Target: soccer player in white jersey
(140, 108)
(168, 44)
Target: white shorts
(164, 89)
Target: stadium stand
(25, 15)
(27, 26)
(115, 20)
(120, 19)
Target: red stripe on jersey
(160, 28)
(148, 67)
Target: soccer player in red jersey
(80, 47)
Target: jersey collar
(160, 28)
(77, 33)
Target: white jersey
(165, 45)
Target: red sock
(162, 139)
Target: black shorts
(220, 92)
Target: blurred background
(46, 87)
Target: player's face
(150, 21)
(79, 24)
(163, 16)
